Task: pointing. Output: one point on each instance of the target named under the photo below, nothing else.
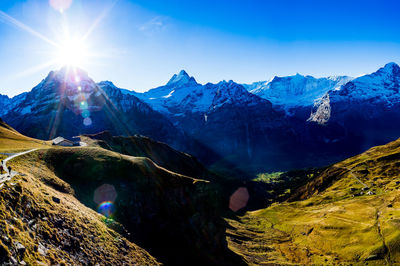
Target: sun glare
(72, 52)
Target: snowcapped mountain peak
(390, 68)
(390, 71)
(382, 85)
(226, 83)
(336, 78)
(68, 82)
(391, 65)
(4, 102)
(107, 83)
(110, 88)
(183, 73)
(296, 90)
(70, 74)
(181, 79)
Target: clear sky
(140, 44)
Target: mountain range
(285, 123)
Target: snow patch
(169, 94)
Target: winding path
(7, 176)
(354, 176)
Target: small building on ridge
(60, 141)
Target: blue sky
(141, 44)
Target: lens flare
(105, 193)
(60, 5)
(87, 121)
(85, 113)
(106, 208)
(239, 199)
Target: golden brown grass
(30, 216)
(12, 141)
(332, 225)
(32, 199)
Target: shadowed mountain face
(362, 113)
(243, 130)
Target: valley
(347, 214)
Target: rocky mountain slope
(347, 214)
(4, 102)
(363, 111)
(8, 104)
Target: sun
(72, 52)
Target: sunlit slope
(11, 140)
(43, 223)
(349, 213)
(160, 153)
(174, 217)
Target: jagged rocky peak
(390, 68)
(4, 96)
(69, 80)
(231, 92)
(389, 71)
(321, 112)
(107, 83)
(229, 88)
(181, 79)
(391, 65)
(69, 74)
(111, 89)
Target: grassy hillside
(160, 153)
(177, 162)
(349, 213)
(42, 223)
(11, 140)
